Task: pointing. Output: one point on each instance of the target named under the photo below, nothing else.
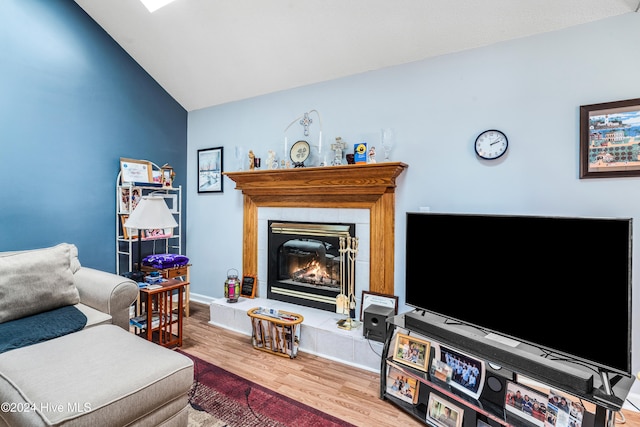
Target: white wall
(530, 88)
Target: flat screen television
(561, 284)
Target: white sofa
(67, 357)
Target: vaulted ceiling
(210, 52)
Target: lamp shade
(151, 213)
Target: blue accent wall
(72, 102)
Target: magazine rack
(275, 331)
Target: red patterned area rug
(220, 398)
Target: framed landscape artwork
(210, 170)
(610, 139)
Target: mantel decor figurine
(252, 160)
(338, 148)
(300, 152)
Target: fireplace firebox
(304, 265)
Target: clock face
(491, 144)
(299, 152)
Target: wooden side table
(278, 334)
(172, 273)
(162, 321)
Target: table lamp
(151, 213)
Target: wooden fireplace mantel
(367, 186)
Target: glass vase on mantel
(387, 140)
(240, 157)
(318, 156)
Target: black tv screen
(561, 284)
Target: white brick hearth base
(320, 334)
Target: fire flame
(313, 272)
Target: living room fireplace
(304, 265)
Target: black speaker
(375, 322)
(495, 383)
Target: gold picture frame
(411, 351)
(132, 170)
(128, 233)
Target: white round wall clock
(491, 144)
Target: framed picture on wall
(210, 168)
(610, 139)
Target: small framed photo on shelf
(467, 372)
(384, 300)
(124, 200)
(128, 198)
(157, 233)
(441, 371)
(411, 351)
(166, 175)
(531, 405)
(248, 286)
(442, 413)
(156, 176)
(402, 386)
(210, 164)
(563, 408)
(132, 170)
(128, 233)
(609, 142)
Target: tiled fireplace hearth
(359, 194)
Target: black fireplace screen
(304, 262)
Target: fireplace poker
(342, 301)
(352, 291)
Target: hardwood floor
(345, 392)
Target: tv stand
(602, 394)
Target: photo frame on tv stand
(468, 372)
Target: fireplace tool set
(346, 300)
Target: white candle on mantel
(320, 142)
